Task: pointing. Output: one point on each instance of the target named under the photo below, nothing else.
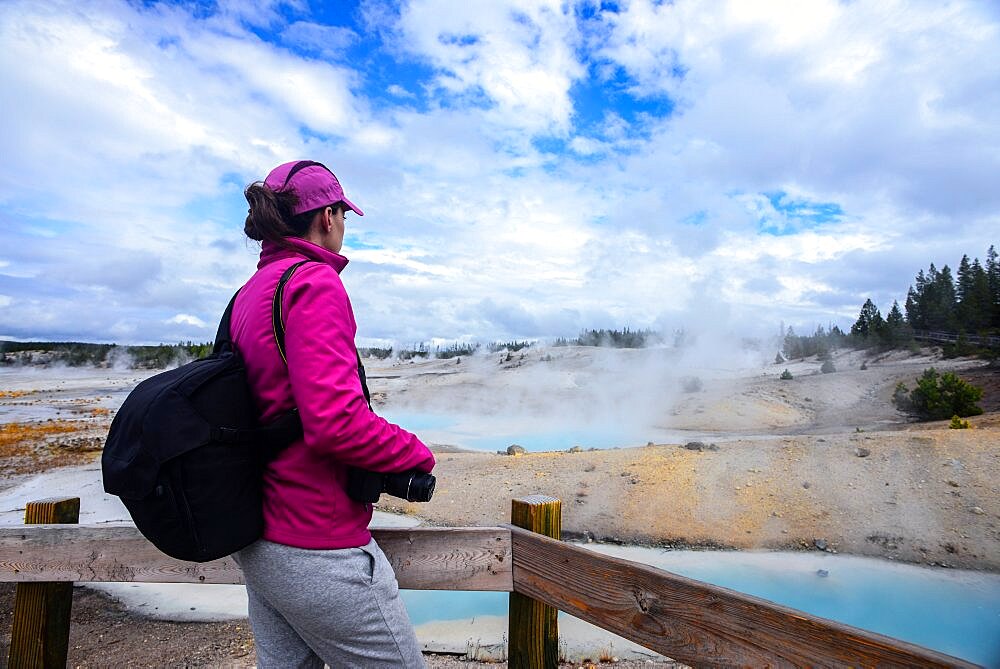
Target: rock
(712, 447)
(695, 445)
(515, 449)
(953, 484)
(806, 485)
(820, 544)
(978, 511)
(822, 572)
(862, 452)
(575, 449)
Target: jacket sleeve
(323, 372)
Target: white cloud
(187, 319)
(846, 97)
(399, 91)
(518, 54)
(586, 146)
(132, 129)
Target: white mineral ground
(782, 463)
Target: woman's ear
(325, 220)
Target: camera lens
(412, 486)
(421, 488)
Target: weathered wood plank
(39, 634)
(694, 622)
(423, 558)
(449, 558)
(115, 553)
(533, 626)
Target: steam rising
(638, 394)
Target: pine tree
(913, 315)
(966, 309)
(938, 301)
(917, 300)
(980, 298)
(869, 323)
(896, 329)
(792, 345)
(993, 279)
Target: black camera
(366, 486)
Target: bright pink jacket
(305, 504)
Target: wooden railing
(690, 621)
(954, 338)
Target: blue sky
(527, 168)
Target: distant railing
(954, 338)
(687, 620)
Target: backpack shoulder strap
(223, 341)
(364, 379)
(277, 318)
(278, 326)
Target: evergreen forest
(965, 304)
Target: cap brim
(353, 207)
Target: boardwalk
(954, 337)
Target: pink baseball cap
(313, 183)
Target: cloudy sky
(527, 168)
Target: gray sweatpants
(339, 607)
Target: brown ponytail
(270, 214)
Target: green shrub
(828, 367)
(785, 375)
(958, 424)
(901, 397)
(938, 396)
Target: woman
(320, 589)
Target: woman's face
(334, 239)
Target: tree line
(624, 338)
(78, 354)
(936, 301)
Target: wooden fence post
(533, 627)
(39, 634)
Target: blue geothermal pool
(952, 611)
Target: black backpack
(185, 453)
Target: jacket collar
(271, 252)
